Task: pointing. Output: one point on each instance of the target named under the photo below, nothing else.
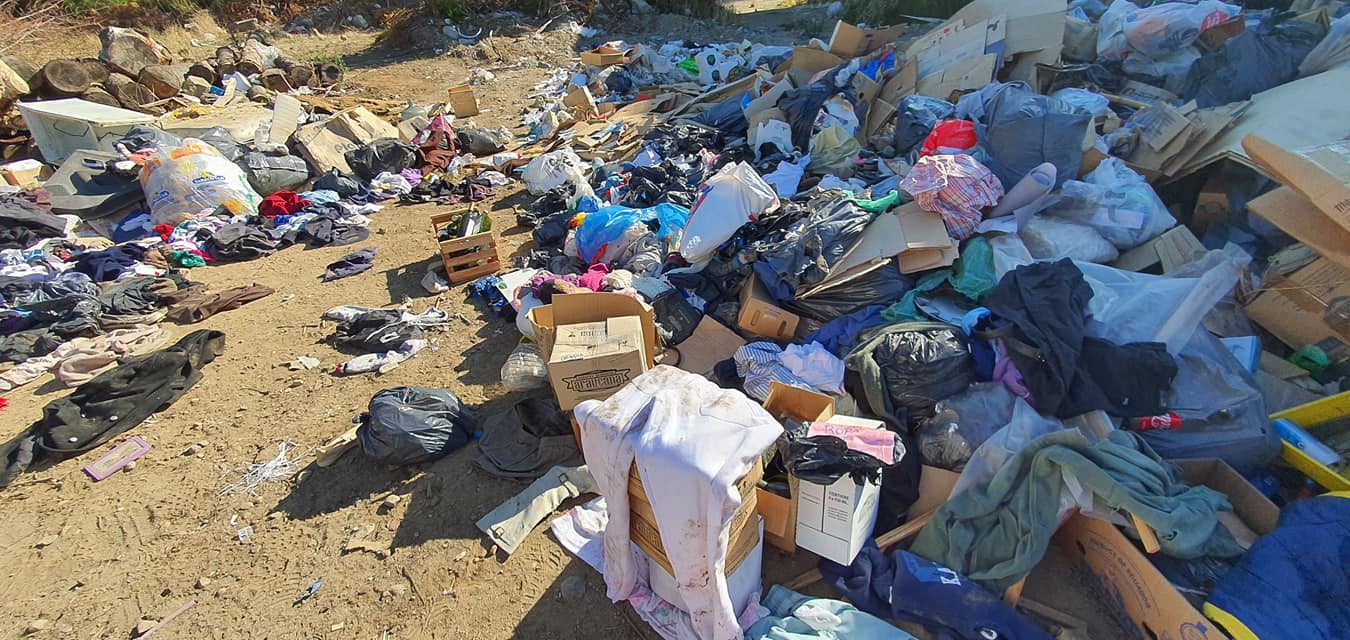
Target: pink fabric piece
(594, 278)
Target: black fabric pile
(238, 242)
(446, 192)
(24, 224)
(376, 331)
(112, 403)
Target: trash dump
(930, 309)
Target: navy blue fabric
(840, 335)
(350, 265)
(104, 265)
(1295, 582)
(908, 587)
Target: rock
(391, 502)
(196, 86)
(130, 465)
(295, 383)
(144, 626)
(359, 21)
(166, 81)
(129, 51)
(47, 541)
(572, 589)
(306, 362)
(203, 582)
(190, 451)
(37, 626)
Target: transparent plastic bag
(193, 177)
(524, 369)
(1117, 202)
(1157, 31)
(1026, 425)
(552, 170)
(961, 423)
(1051, 239)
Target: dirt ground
(93, 559)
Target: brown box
(1320, 174)
(742, 539)
(1308, 306)
(604, 56)
(850, 41)
(24, 173)
(463, 102)
(325, 144)
(593, 360)
(760, 316)
(780, 513)
(590, 307)
(1137, 590)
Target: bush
(889, 12)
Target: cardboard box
(1320, 174)
(743, 583)
(935, 486)
(850, 41)
(462, 101)
(806, 62)
(743, 532)
(761, 316)
(23, 173)
(579, 308)
(780, 513)
(604, 56)
(1140, 595)
(710, 343)
(1308, 306)
(325, 144)
(835, 521)
(1298, 217)
(593, 360)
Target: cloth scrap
(957, 187)
(350, 265)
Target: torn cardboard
(1321, 174)
(852, 41)
(1309, 306)
(1300, 218)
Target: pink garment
(958, 187)
(594, 278)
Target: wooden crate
(744, 536)
(467, 258)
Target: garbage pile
(926, 305)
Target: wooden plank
(456, 263)
(1146, 534)
(460, 277)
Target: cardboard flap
(1321, 174)
(579, 308)
(795, 402)
(851, 41)
(807, 62)
(907, 228)
(1298, 217)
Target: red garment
(281, 203)
(164, 231)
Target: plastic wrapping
(961, 423)
(220, 138)
(1089, 101)
(337, 182)
(552, 170)
(833, 151)
(188, 179)
(609, 224)
(524, 369)
(728, 200)
(1157, 31)
(950, 137)
(804, 254)
(1051, 239)
(915, 365)
(1333, 51)
(1117, 202)
(1022, 129)
(270, 174)
(411, 425)
(383, 155)
(915, 119)
(1026, 425)
(1080, 36)
(823, 460)
(880, 286)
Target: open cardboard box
(1137, 591)
(761, 316)
(581, 308)
(780, 513)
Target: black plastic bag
(270, 174)
(410, 425)
(336, 181)
(907, 368)
(676, 319)
(383, 155)
(478, 142)
(726, 116)
(884, 286)
(804, 254)
(220, 139)
(140, 137)
(823, 460)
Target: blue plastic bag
(609, 224)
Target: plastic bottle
(1295, 435)
(524, 368)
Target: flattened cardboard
(970, 74)
(593, 360)
(1138, 592)
(710, 343)
(851, 41)
(1298, 217)
(761, 316)
(935, 486)
(806, 62)
(325, 144)
(1308, 306)
(1211, 204)
(919, 238)
(1175, 247)
(463, 102)
(1320, 174)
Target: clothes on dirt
(412, 425)
(281, 204)
(109, 264)
(1039, 314)
(957, 187)
(525, 440)
(134, 296)
(238, 242)
(79, 360)
(200, 304)
(512, 521)
(24, 224)
(442, 191)
(350, 264)
(22, 345)
(910, 588)
(112, 403)
(793, 616)
(995, 533)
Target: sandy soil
(94, 559)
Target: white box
(62, 127)
(743, 584)
(835, 521)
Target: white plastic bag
(1117, 202)
(187, 179)
(553, 169)
(1157, 31)
(734, 196)
(773, 133)
(1051, 239)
